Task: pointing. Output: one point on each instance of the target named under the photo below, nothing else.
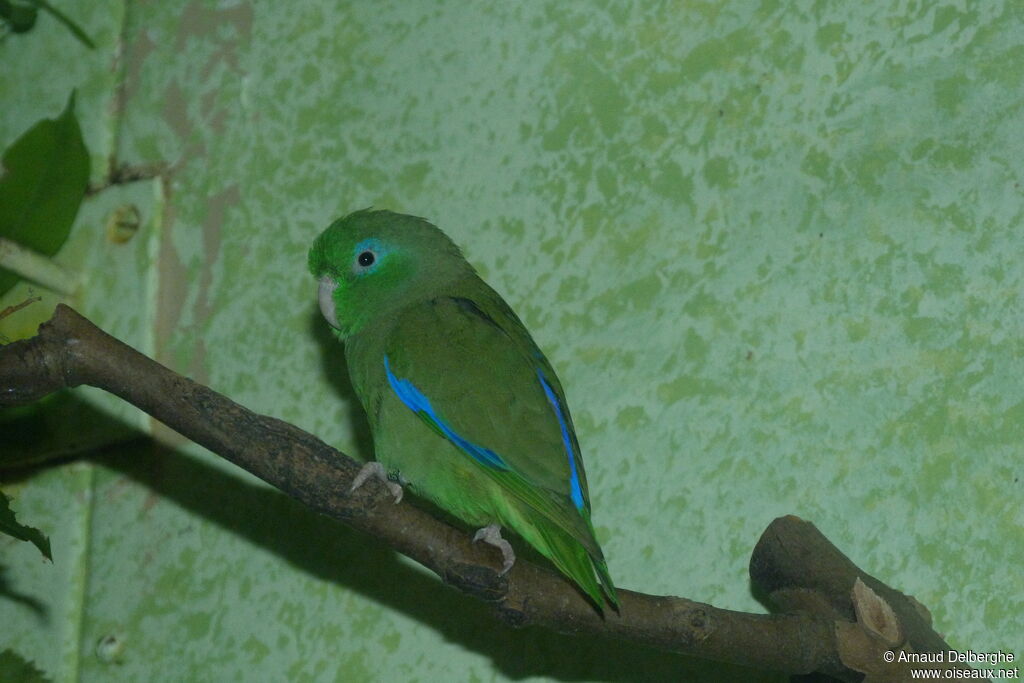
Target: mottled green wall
(775, 256)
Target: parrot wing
(470, 370)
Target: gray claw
(376, 470)
(491, 535)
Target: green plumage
(461, 402)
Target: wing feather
(470, 370)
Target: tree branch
(826, 629)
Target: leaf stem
(36, 267)
(66, 20)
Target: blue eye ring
(367, 255)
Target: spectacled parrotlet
(464, 408)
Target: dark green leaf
(20, 17)
(10, 526)
(45, 174)
(16, 669)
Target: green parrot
(464, 408)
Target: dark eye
(366, 259)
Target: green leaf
(10, 526)
(16, 669)
(45, 174)
(21, 18)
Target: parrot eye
(368, 255)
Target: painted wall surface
(774, 254)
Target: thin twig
(10, 310)
(122, 174)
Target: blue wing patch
(576, 492)
(414, 399)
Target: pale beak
(326, 297)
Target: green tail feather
(601, 567)
(569, 555)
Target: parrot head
(372, 263)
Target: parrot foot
(491, 535)
(376, 470)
